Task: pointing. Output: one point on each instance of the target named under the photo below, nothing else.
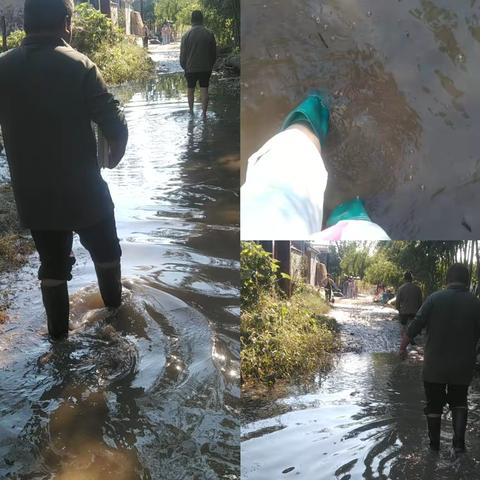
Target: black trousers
(201, 77)
(55, 246)
(439, 394)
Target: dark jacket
(409, 299)
(49, 95)
(198, 50)
(452, 320)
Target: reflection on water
(363, 420)
(150, 391)
(402, 76)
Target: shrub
(15, 38)
(122, 62)
(92, 29)
(286, 339)
(258, 273)
(280, 338)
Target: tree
(382, 270)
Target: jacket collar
(51, 40)
(457, 286)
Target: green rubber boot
(352, 210)
(314, 111)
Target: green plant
(119, 59)
(15, 38)
(258, 273)
(91, 29)
(122, 62)
(283, 339)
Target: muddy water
(150, 391)
(363, 420)
(405, 103)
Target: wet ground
(405, 103)
(362, 420)
(150, 391)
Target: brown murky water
(363, 420)
(151, 391)
(405, 102)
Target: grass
(286, 339)
(14, 248)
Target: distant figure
(409, 299)
(145, 37)
(451, 318)
(198, 52)
(49, 95)
(329, 287)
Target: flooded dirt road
(363, 420)
(405, 104)
(151, 391)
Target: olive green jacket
(408, 299)
(451, 318)
(49, 96)
(198, 50)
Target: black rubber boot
(434, 427)
(110, 284)
(55, 301)
(459, 422)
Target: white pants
(282, 198)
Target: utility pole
(141, 11)
(281, 252)
(3, 24)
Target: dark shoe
(55, 301)
(459, 422)
(110, 284)
(434, 426)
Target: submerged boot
(110, 283)
(459, 422)
(434, 422)
(55, 301)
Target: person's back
(199, 50)
(49, 95)
(409, 298)
(451, 318)
(452, 321)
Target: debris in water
(466, 225)
(322, 39)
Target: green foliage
(92, 29)
(382, 270)
(355, 258)
(123, 62)
(15, 39)
(286, 339)
(280, 338)
(222, 17)
(258, 273)
(118, 59)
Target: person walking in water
(408, 300)
(198, 53)
(451, 318)
(49, 95)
